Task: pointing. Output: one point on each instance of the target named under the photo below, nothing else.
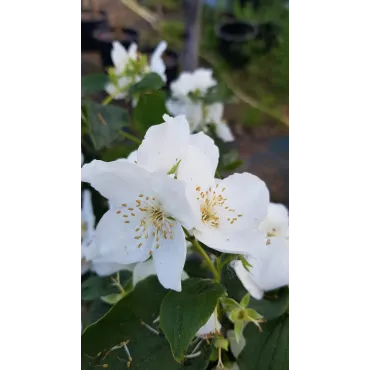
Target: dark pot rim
(102, 12)
(130, 31)
(236, 38)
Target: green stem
(201, 251)
(107, 100)
(133, 138)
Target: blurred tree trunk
(192, 14)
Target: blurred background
(245, 42)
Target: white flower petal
(164, 145)
(87, 214)
(169, 259)
(107, 268)
(144, 269)
(132, 158)
(209, 327)
(214, 113)
(157, 64)
(271, 266)
(119, 56)
(223, 132)
(235, 242)
(248, 196)
(247, 281)
(172, 195)
(132, 51)
(116, 239)
(114, 92)
(119, 181)
(192, 111)
(277, 220)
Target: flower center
(213, 203)
(152, 219)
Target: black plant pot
(104, 38)
(171, 60)
(90, 22)
(233, 38)
(267, 34)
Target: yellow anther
(124, 215)
(268, 241)
(124, 205)
(130, 209)
(138, 237)
(133, 214)
(141, 195)
(127, 222)
(140, 245)
(118, 212)
(197, 188)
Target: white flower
(229, 211)
(198, 81)
(191, 110)
(157, 64)
(276, 222)
(214, 116)
(149, 210)
(121, 58)
(270, 260)
(200, 116)
(210, 327)
(170, 144)
(144, 269)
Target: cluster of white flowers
(186, 92)
(129, 68)
(167, 185)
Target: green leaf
(183, 314)
(123, 322)
(149, 110)
(152, 81)
(93, 83)
(238, 329)
(273, 307)
(229, 304)
(105, 121)
(268, 349)
(245, 300)
(96, 310)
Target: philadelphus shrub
(172, 187)
(187, 93)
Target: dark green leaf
(183, 314)
(273, 305)
(93, 83)
(105, 121)
(123, 322)
(96, 310)
(150, 110)
(152, 81)
(268, 350)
